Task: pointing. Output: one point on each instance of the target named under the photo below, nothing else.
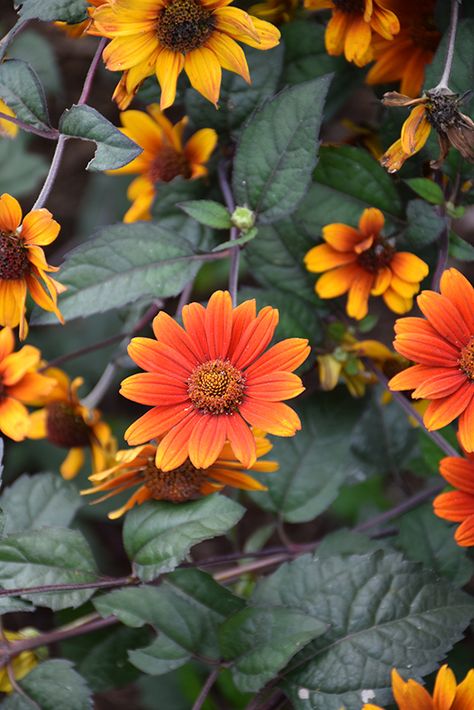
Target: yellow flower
(137, 467)
(79, 29)
(7, 128)
(163, 37)
(275, 11)
(164, 156)
(447, 695)
(350, 28)
(67, 423)
(22, 664)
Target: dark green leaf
(262, 641)
(424, 224)
(170, 217)
(9, 604)
(427, 189)
(52, 685)
(459, 248)
(22, 91)
(158, 535)
(208, 212)
(246, 237)
(347, 542)
(114, 149)
(323, 205)
(278, 147)
(161, 656)
(25, 170)
(33, 502)
(38, 52)
(56, 556)
(66, 10)
(463, 61)
(298, 317)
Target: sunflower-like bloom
(435, 109)
(164, 156)
(137, 467)
(67, 423)
(7, 128)
(363, 263)
(23, 663)
(163, 37)
(20, 384)
(405, 57)
(275, 11)
(351, 26)
(23, 265)
(442, 346)
(79, 29)
(458, 506)
(209, 381)
(447, 695)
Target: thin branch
(51, 134)
(409, 504)
(86, 89)
(206, 689)
(71, 587)
(101, 387)
(52, 174)
(448, 62)
(184, 298)
(234, 233)
(442, 256)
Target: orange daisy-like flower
(209, 380)
(447, 695)
(363, 263)
(163, 37)
(137, 467)
(458, 506)
(67, 423)
(23, 265)
(405, 57)
(351, 26)
(8, 129)
(442, 346)
(164, 156)
(20, 384)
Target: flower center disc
(466, 361)
(442, 111)
(65, 428)
(216, 387)
(350, 6)
(168, 164)
(184, 25)
(181, 484)
(14, 262)
(375, 258)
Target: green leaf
(460, 79)
(208, 212)
(347, 542)
(459, 248)
(121, 264)
(354, 172)
(425, 538)
(246, 237)
(52, 685)
(33, 502)
(170, 217)
(298, 317)
(38, 52)
(382, 612)
(237, 99)
(427, 189)
(23, 92)
(158, 535)
(277, 148)
(25, 170)
(9, 604)
(56, 556)
(313, 463)
(424, 224)
(262, 641)
(66, 10)
(114, 149)
(161, 656)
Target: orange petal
(7, 343)
(126, 52)
(218, 324)
(40, 228)
(337, 281)
(153, 388)
(242, 440)
(324, 257)
(274, 386)
(465, 691)
(199, 147)
(159, 357)
(442, 411)
(371, 222)
(15, 365)
(172, 450)
(440, 385)
(154, 423)
(358, 298)
(286, 355)
(414, 376)
(445, 688)
(194, 317)
(242, 316)
(237, 24)
(445, 317)
(415, 130)
(12, 302)
(385, 22)
(383, 279)
(169, 66)
(466, 428)
(273, 417)
(341, 237)
(394, 157)
(72, 464)
(207, 439)
(409, 267)
(167, 331)
(460, 292)
(204, 72)
(357, 41)
(459, 472)
(464, 536)
(336, 30)
(256, 337)
(405, 289)
(410, 695)
(454, 506)
(10, 213)
(32, 388)
(14, 419)
(229, 54)
(138, 498)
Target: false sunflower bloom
(23, 265)
(362, 262)
(67, 423)
(136, 467)
(351, 26)
(164, 156)
(8, 129)
(20, 384)
(23, 663)
(442, 346)
(447, 695)
(163, 37)
(207, 382)
(458, 506)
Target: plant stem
(206, 689)
(52, 174)
(448, 62)
(51, 134)
(11, 34)
(86, 89)
(442, 255)
(413, 502)
(234, 233)
(72, 587)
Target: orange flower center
(184, 25)
(181, 484)
(14, 262)
(350, 6)
(466, 360)
(65, 427)
(168, 164)
(379, 255)
(216, 387)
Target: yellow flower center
(216, 387)
(184, 25)
(350, 6)
(181, 484)
(14, 262)
(168, 164)
(65, 427)
(466, 360)
(379, 255)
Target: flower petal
(218, 324)
(285, 355)
(169, 66)
(464, 536)
(371, 222)
(341, 237)
(167, 331)
(274, 386)
(442, 411)
(273, 417)
(172, 450)
(14, 419)
(207, 439)
(242, 440)
(415, 130)
(155, 356)
(457, 289)
(40, 228)
(154, 388)
(337, 281)
(10, 213)
(454, 506)
(459, 472)
(359, 292)
(324, 257)
(204, 72)
(256, 337)
(445, 317)
(154, 423)
(466, 428)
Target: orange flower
(164, 157)
(23, 265)
(7, 128)
(443, 348)
(22, 663)
(163, 37)
(447, 695)
(458, 506)
(79, 29)
(137, 467)
(363, 263)
(275, 11)
(405, 57)
(65, 422)
(350, 28)
(209, 381)
(20, 384)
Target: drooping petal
(415, 130)
(273, 417)
(72, 464)
(394, 157)
(10, 213)
(14, 419)
(7, 342)
(357, 40)
(336, 32)
(359, 292)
